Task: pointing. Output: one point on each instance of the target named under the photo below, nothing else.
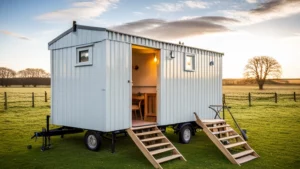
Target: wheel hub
(92, 141)
(186, 134)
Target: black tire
(92, 140)
(185, 134)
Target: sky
(241, 29)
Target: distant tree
(33, 73)
(6, 73)
(260, 68)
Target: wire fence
(255, 97)
(24, 99)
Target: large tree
(6, 73)
(262, 67)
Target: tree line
(26, 77)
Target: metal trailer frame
(46, 133)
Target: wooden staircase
(154, 145)
(229, 142)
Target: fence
(255, 97)
(24, 99)
(27, 99)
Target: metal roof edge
(71, 30)
(104, 29)
(111, 30)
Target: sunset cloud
(269, 10)
(14, 34)
(161, 29)
(80, 11)
(178, 6)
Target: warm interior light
(155, 59)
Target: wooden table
(150, 107)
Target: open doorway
(145, 73)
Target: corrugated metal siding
(118, 90)
(78, 96)
(80, 37)
(181, 92)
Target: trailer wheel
(92, 140)
(185, 134)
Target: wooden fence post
(249, 98)
(32, 99)
(275, 97)
(295, 97)
(5, 101)
(45, 96)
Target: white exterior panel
(98, 96)
(180, 93)
(183, 92)
(78, 99)
(118, 89)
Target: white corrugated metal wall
(78, 96)
(99, 96)
(181, 92)
(118, 89)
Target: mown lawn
(273, 131)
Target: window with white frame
(84, 56)
(189, 62)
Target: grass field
(273, 131)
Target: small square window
(189, 62)
(84, 56)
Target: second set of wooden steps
(154, 145)
(229, 142)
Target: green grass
(273, 131)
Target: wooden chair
(136, 105)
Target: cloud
(168, 7)
(195, 4)
(80, 11)
(251, 1)
(14, 34)
(178, 6)
(269, 10)
(168, 30)
(277, 6)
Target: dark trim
(71, 30)
(91, 28)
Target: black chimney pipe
(74, 26)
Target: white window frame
(90, 52)
(193, 62)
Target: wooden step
(221, 126)
(230, 137)
(157, 145)
(235, 144)
(143, 127)
(168, 158)
(214, 121)
(243, 153)
(148, 133)
(153, 138)
(245, 159)
(161, 150)
(222, 132)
